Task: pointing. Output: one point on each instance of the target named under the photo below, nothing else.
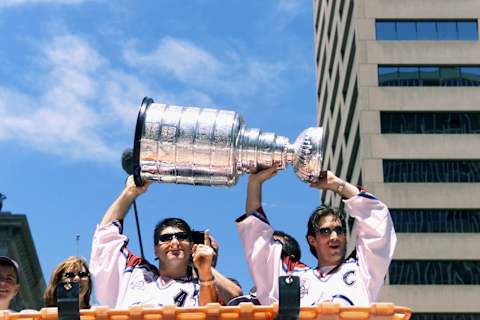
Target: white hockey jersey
(354, 282)
(123, 279)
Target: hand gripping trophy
(202, 146)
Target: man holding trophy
(351, 281)
(123, 279)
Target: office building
(398, 94)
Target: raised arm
(109, 256)
(254, 189)
(119, 208)
(375, 242)
(263, 254)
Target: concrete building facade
(398, 95)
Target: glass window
(436, 220)
(406, 30)
(450, 76)
(453, 272)
(430, 76)
(431, 171)
(386, 30)
(388, 76)
(470, 76)
(467, 30)
(408, 76)
(447, 30)
(427, 30)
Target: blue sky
(73, 74)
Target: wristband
(207, 283)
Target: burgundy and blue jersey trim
(119, 225)
(259, 213)
(290, 266)
(134, 261)
(367, 195)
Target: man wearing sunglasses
(348, 281)
(123, 279)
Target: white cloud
(77, 105)
(16, 3)
(292, 6)
(178, 57)
(87, 106)
(197, 68)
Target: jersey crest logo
(304, 286)
(349, 277)
(180, 298)
(138, 285)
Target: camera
(198, 237)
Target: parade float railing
(214, 311)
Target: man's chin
(176, 259)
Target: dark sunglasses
(328, 231)
(81, 275)
(180, 236)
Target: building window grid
(428, 75)
(320, 41)
(331, 18)
(350, 65)
(425, 30)
(319, 12)
(351, 112)
(436, 220)
(333, 97)
(336, 132)
(322, 70)
(340, 7)
(338, 170)
(324, 105)
(440, 122)
(431, 171)
(322, 28)
(353, 158)
(348, 22)
(333, 52)
(324, 147)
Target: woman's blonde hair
(50, 295)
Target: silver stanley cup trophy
(202, 146)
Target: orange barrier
(214, 311)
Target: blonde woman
(73, 269)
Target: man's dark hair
(317, 215)
(170, 222)
(290, 246)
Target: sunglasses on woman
(81, 275)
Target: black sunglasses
(328, 231)
(180, 236)
(81, 275)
